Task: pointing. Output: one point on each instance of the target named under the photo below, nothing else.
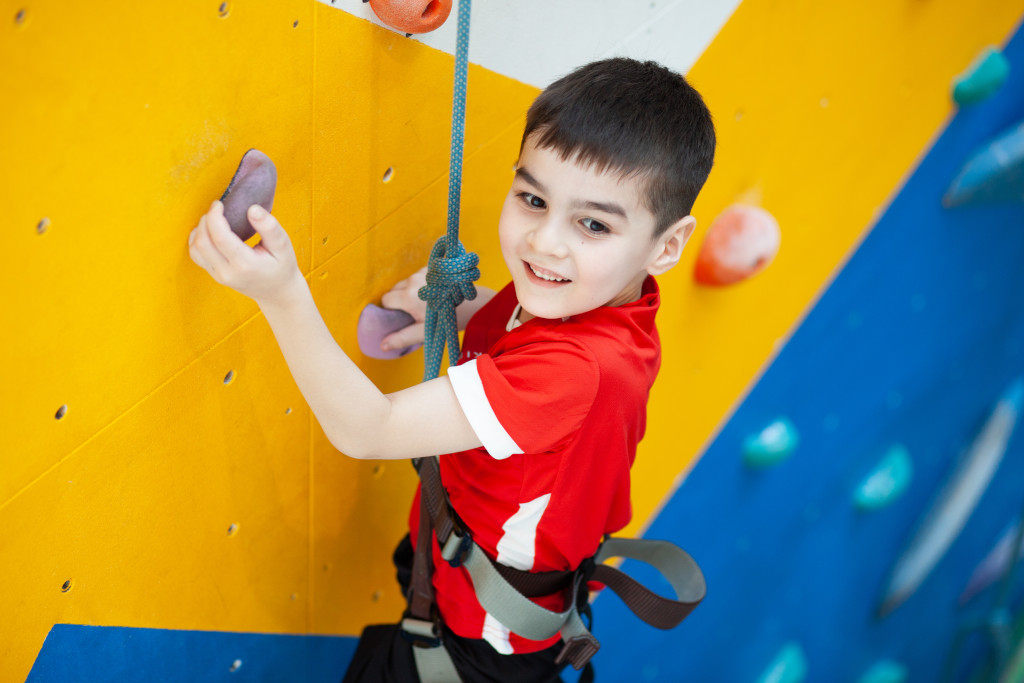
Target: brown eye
(532, 200)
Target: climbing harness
(502, 591)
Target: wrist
(287, 296)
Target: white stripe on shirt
(469, 390)
(517, 548)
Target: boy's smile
(575, 239)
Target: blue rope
(451, 271)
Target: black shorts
(384, 656)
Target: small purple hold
(253, 183)
(375, 323)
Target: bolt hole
(232, 530)
(223, 10)
(230, 377)
(235, 665)
(388, 174)
(376, 596)
(66, 587)
(295, 25)
(287, 411)
(378, 470)
(61, 412)
(19, 17)
(42, 226)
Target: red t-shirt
(560, 406)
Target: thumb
(272, 235)
(404, 338)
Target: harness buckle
(457, 547)
(422, 633)
(578, 650)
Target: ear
(669, 245)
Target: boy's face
(575, 239)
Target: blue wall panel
(94, 654)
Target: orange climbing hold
(412, 16)
(741, 242)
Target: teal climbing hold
(885, 671)
(771, 445)
(887, 481)
(983, 77)
(789, 666)
(994, 174)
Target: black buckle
(457, 547)
(578, 650)
(420, 632)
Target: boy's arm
(357, 418)
(404, 296)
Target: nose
(548, 238)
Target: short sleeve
(530, 399)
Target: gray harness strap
(512, 608)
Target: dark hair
(635, 118)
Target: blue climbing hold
(887, 481)
(993, 174)
(885, 671)
(771, 445)
(983, 77)
(789, 666)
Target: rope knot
(450, 279)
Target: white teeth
(549, 278)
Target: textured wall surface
(165, 492)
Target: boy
(537, 426)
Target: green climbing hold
(983, 77)
(789, 666)
(771, 445)
(887, 481)
(885, 671)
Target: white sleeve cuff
(469, 390)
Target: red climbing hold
(741, 242)
(412, 16)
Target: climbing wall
(169, 508)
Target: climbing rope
(451, 270)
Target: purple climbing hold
(375, 323)
(254, 182)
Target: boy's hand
(404, 297)
(266, 272)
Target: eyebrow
(607, 207)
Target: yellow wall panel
(384, 102)
(821, 110)
(127, 122)
(140, 518)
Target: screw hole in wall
(20, 16)
(66, 586)
(230, 377)
(223, 10)
(388, 174)
(295, 25)
(61, 412)
(232, 530)
(42, 226)
(287, 411)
